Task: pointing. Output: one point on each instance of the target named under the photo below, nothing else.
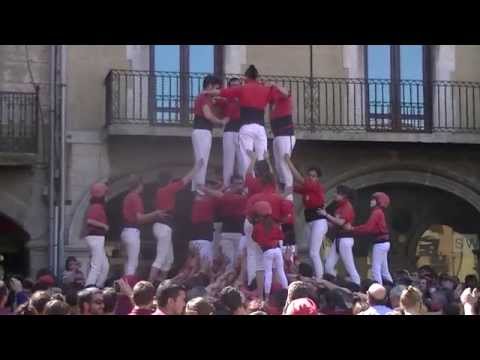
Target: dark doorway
(13, 240)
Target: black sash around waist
(203, 231)
(252, 116)
(233, 126)
(200, 122)
(233, 225)
(312, 215)
(282, 126)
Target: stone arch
(408, 174)
(15, 210)
(412, 176)
(118, 186)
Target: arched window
(399, 87)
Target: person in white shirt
(377, 295)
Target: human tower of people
(254, 203)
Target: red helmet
(382, 199)
(262, 208)
(98, 190)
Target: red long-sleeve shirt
(281, 208)
(165, 196)
(267, 239)
(250, 95)
(312, 192)
(255, 185)
(375, 225)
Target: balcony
(19, 113)
(337, 109)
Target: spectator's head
(299, 290)
(199, 306)
(72, 264)
(109, 300)
(302, 306)
(143, 294)
(411, 301)
(305, 269)
(71, 298)
(314, 173)
(38, 301)
(211, 82)
(57, 307)
(233, 301)
(344, 193)
(3, 294)
(171, 297)
(423, 285)
(471, 281)
(380, 199)
(395, 294)
(90, 301)
(447, 282)
(426, 270)
(234, 81)
(377, 295)
(359, 305)
(251, 72)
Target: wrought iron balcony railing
(19, 113)
(338, 104)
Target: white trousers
(273, 259)
(346, 254)
(251, 137)
(315, 232)
(204, 248)
(164, 258)
(202, 143)
(283, 145)
(131, 239)
(254, 253)
(380, 262)
(231, 156)
(230, 245)
(99, 265)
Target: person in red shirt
(313, 195)
(280, 213)
(268, 234)
(253, 97)
(162, 230)
(97, 228)
(231, 211)
(376, 227)
(203, 216)
(203, 122)
(343, 243)
(231, 145)
(283, 134)
(134, 216)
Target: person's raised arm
(333, 219)
(150, 217)
(215, 193)
(296, 174)
(97, 223)
(207, 112)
